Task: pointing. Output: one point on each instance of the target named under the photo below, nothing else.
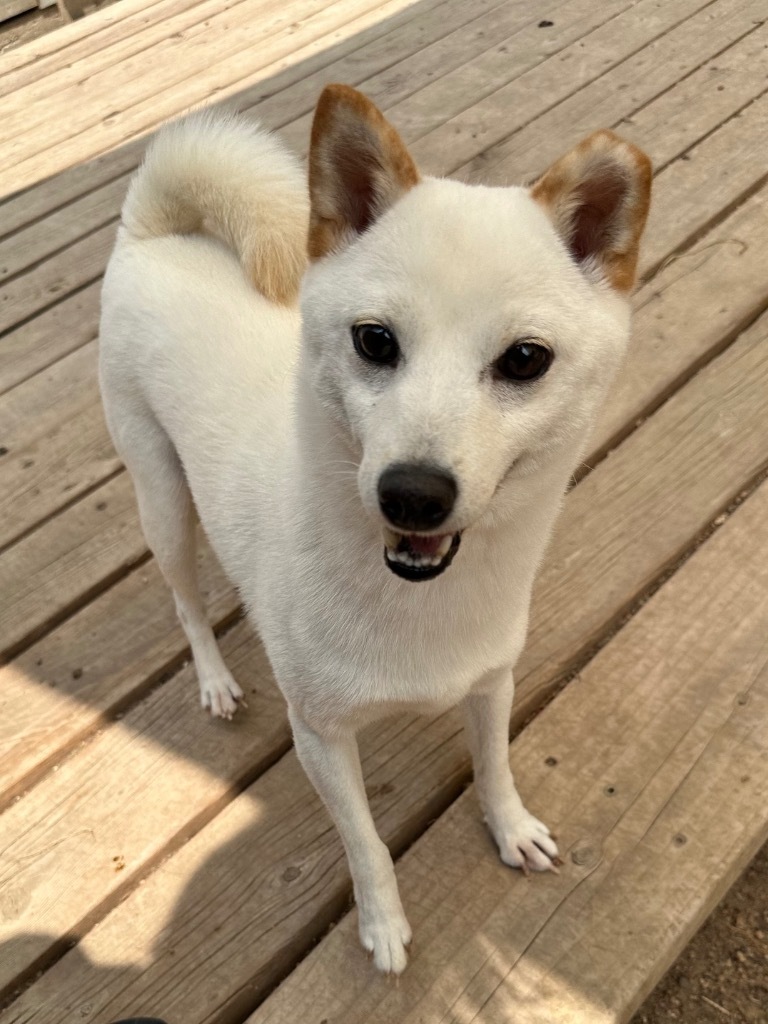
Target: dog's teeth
(399, 556)
(445, 544)
(391, 539)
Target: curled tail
(222, 175)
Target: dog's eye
(375, 343)
(525, 360)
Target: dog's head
(462, 336)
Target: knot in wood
(583, 856)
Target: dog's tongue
(421, 545)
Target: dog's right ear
(358, 167)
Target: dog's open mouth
(415, 556)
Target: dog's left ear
(358, 167)
(597, 196)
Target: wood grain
(235, 56)
(102, 838)
(374, 42)
(43, 339)
(634, 57)
(102, 26)
(68, 560)
(104, 658)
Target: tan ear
(597, 196)
(358, 167)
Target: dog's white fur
(263, 411)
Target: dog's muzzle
(416, 497)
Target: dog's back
(199, 326)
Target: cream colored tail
(220, 174)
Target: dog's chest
(354, 659)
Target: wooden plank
(31, 410)
(404, 73)
(147, 114)
(71, 268)
(131, 29)
(440, 80)
(97, 207)
(623, 525)
(723, 167)
(128, 14)
(55, 468)
(167, 735)
(656, 788)
(176, 82)
(378, 37)
(390, 85)
(434, 33)
(107, 656)
(20, 249)
(56, 569)
(55, 442)
(629, 62)
(63, 227)
(690, 311)
(654, 477)
(32, 204)
(36, 344)
(262, 847)
(58, 72)
(632, 84)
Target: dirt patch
(722, 975)
(26, 27)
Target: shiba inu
(373, 389)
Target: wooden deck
(158, 862)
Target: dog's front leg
(333, 765)
(524, 841)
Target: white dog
(402, 400)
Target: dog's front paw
(527, 844)
(221, 695)
(386, 936)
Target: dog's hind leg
(524, 841)
(333, 766)
(168, 519)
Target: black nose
(416, 496)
